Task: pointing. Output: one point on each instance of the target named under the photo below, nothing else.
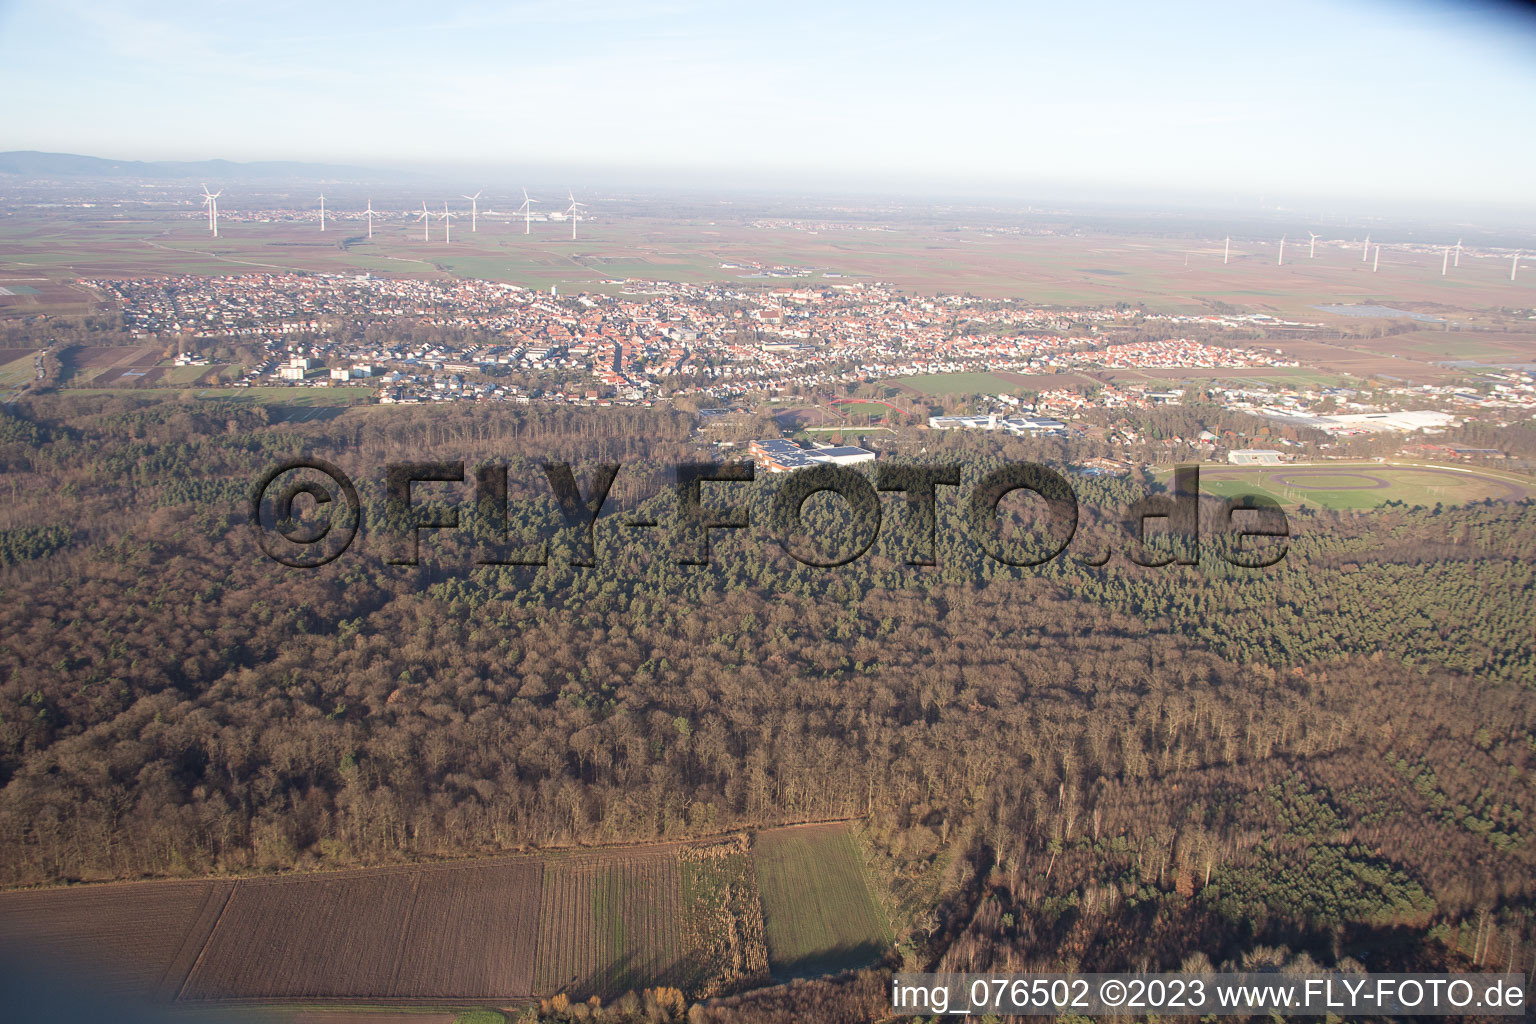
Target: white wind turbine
(425, 220)
(474, 212)
(1514, 266)
(211, 200)
(1376, 263)
(1312, 252)
(1445, 263)
(1458, 254)
(1365, 253)
(570, 211)
(447, 218)
(322, 211)
(527, 211)
(1280, 260)
(370, 215)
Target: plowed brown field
(454, 931)
(495, 931)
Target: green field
(304, 398)
(609, 923)
(817, 907)
(1363, 486)
(864, 412)
(957, 384)
(18, 371)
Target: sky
(1409, 100)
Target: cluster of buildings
(413, 340)
(651, 339)
(1019, 426)
(1180, 353)
(780, 455)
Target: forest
(1065, 766)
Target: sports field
(1363, 486)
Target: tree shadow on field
(34, 989)
(610, 981)
(844, 956)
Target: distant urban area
(842, 357)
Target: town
(723, 346)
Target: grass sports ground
(792, 901)
(1364, 485)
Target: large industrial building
(778, 455)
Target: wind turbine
(1312, 252)
(370, 215)
(473, 210)
(322, 211)
(425, 220)
(1445, 264)
(527, 211)
(1458, 253)
(1226, 252)
(1365, 253)
(1376, 263)
(211, 200)
(447, 223)
(1280, 260)
(1514, 266)
(570, 211)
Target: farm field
(1363, 486)
(295, 402)
(1274, 375)
(1350, 357)
(107, 365)
(490, 932)
(956, 383)
(136, 937)
(1490, 348)
(459, 930)
(817, 905)
(45, 252)
(17, 366)
(611, 923)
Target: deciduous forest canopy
(1100, 768)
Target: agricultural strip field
(612, 923)
(495, 931)
(464, 931)
(111, 365)
(956, 383)
(17, 366)
(817, 905)
(137, 937)
(1369, 485)
(44, 250)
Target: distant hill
(32, 164)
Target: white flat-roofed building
(840, 455)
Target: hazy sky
(1401, 100)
